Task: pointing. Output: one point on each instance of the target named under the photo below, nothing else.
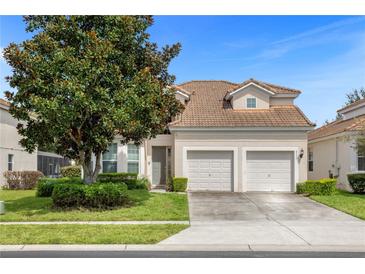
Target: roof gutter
(207, 129)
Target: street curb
(167, 247)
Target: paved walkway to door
(266, 219)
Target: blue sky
(324, 56)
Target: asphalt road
(177, 254)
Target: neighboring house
(332, 148)
(230, 137)
(14, 157)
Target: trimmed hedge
(179, 184)
(22, 179)
(357, 182)
(130, 179)
(325, 186)
(105, 195)
(71, 171)
(68, 195)
(45, 186)
(97, 195)
(301, 188)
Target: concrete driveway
(266, 219)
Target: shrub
(45, 185)
(97, 195)
(357, 182)
(105, 195)
(130, 179)
(143, 183)
(301, 188)
(169, 186)
(22, 179)
(71, 171)
(179, 184)
(325, 186)
(68, 195)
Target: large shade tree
(82, 80)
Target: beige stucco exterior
(335, 154)
(9, 144)
(240, 143)
(239, 100)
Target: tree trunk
(90, 174)
(85, 161)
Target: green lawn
(87, 234)
(22, 205)
(353, 204)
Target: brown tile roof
(4, 103)
(352, 105)
(271, 87)
(207, 108)
(339, 126)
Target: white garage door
(210, 170)
(269, 170)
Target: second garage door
(210, 170)
(269, 170)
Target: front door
(158, 165)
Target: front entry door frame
(161, 168)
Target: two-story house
(230, 137)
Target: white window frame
(11, 162)
(116, 159)
(310, 159)
(132, 160)
(251, 99)
(357, 161)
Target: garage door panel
(210, 170)
(269, 170)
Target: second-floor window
(251, 102)
(110, 159)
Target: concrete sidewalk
(121, 247)
(98, 223)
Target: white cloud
(322, 29)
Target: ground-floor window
(110, 159)
(133, 158)
(10, 162)
(361, 162)
(310, 161)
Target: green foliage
(355, 95)
(82, 80)
(325, 186)
(179, 184)
(130, 179)
(143, 183)
(301, 188)
(21, 179)
(101, 195)
(71, 171)
(68, 195)
(357, 182)
(45, 185)
(97, 195)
